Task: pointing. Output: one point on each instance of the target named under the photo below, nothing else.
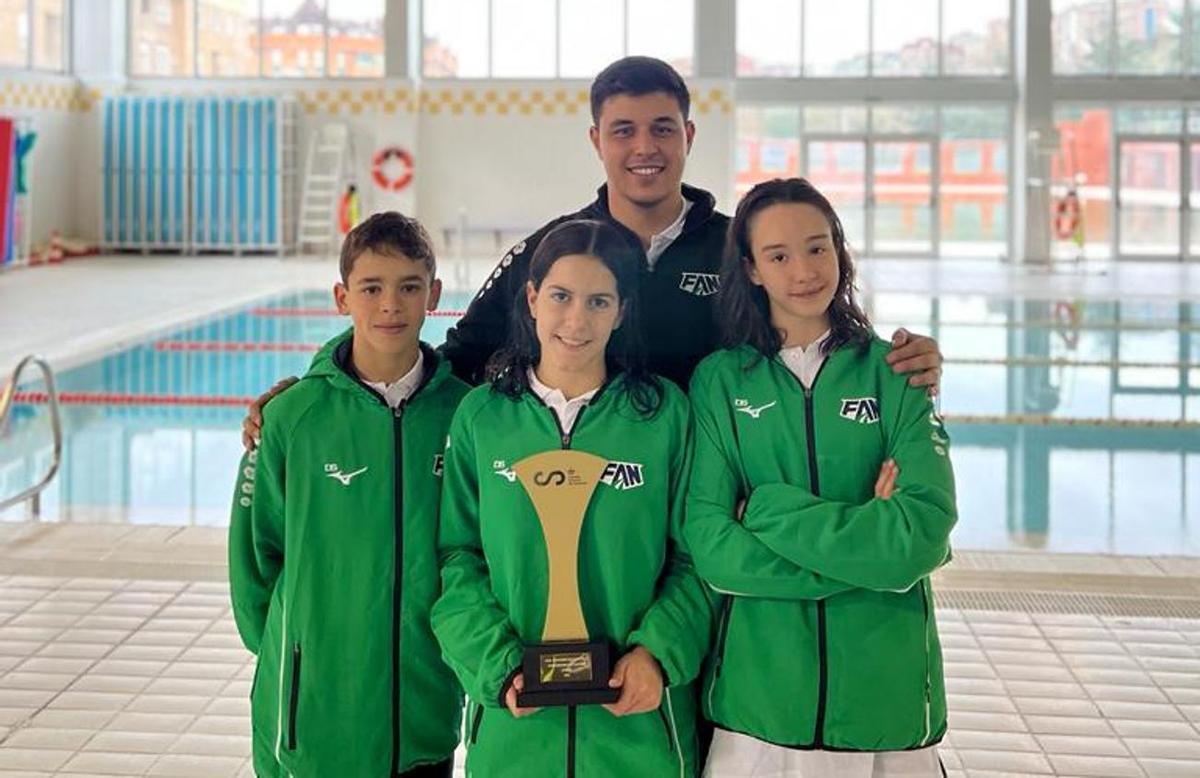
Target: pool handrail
(33, 493)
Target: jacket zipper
(572, 724)
(397, 434)
(564, 437)
(293, 698)
(822, 655)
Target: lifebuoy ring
(381, 159)
(1066, 216)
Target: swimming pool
(1075, 425)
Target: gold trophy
(566, 668)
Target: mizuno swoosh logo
(345, 477)
(754, 413)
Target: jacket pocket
(662, 714)
(293, 698)
(719, 649)
(476, 723)
(928, 690)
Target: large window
(33, 34)
(907, 179)
(817, 38)
(249, 38)
(550, 38)
(1125, 37)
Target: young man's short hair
(638, 76)
(389, 233)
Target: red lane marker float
(117, 398)
(226, 346)
(314, 312)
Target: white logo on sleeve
(335, 472)
(744, 406)
(864, 410)
(700, 284)
(501, 468)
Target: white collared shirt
(566, 410)
(662, 241)
(805, 363)
(400, 390)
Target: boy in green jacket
(332, 556)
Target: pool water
(1075, 426)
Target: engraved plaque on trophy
(567, 667)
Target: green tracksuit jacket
(333, 571)
(826, 638)
(636, 582)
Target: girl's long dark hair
(745, 312)
(508, 369)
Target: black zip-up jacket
(679, 327)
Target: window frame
(67, 58)
(940, 55)
(557, 75)
(262, 57)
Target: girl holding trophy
(821, 500)
(569, 609)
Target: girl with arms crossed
(822, 498)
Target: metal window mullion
(1114, 177)
(870, 50)
(625, 29)
(262, 31)
(195, 38)
(869, 191)
(935, 184)
(803, 25)
(1185, 46)
(325, 59)
(1185, 190)
(491, 38)
(558, 39)
(30, 41)
(941, 32)
(1113, 39)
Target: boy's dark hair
(508, 368)
(639, 76)
(743, 307)
(390, 233)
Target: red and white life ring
(380, 162)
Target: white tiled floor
(120, 677)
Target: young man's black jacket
(677, 313)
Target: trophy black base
(567, 673)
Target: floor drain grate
(1071, 602)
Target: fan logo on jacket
(623, 475)
(502, 469)
(335, 472)
(744, 406)
(700, 284)
(439, 465)
(864, 410)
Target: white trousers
(734, 755)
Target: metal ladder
(325, 173)
(33, 493)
